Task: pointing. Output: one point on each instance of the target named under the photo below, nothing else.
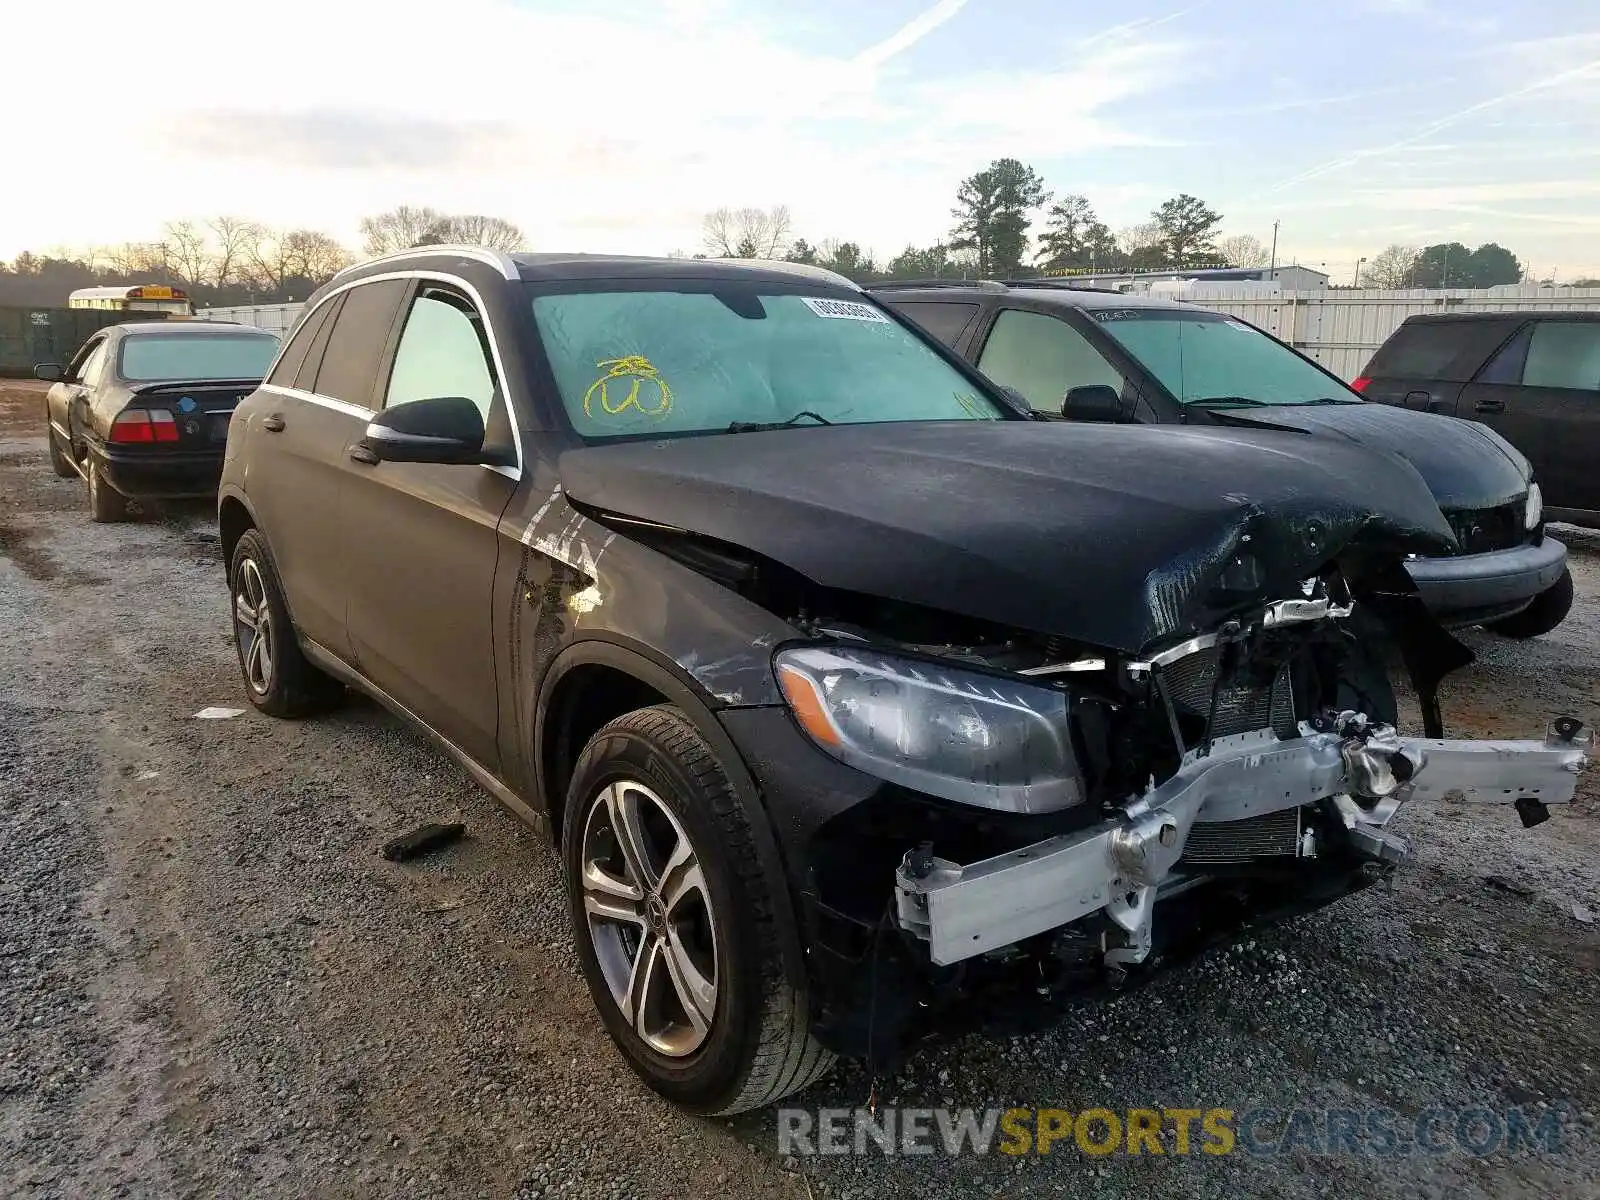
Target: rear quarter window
(1448, 350)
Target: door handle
(1489, 406)
(362, 454)
(273, 424)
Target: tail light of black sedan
(144, 426)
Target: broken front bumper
(1119, 865)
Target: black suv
(1103, 356)
(852, 694)
(1534, 378)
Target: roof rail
(1064, 284)
(806, 270)
(892, 285)
(497, 259)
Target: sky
(616, 126)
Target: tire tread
(787, 1057)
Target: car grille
(1240, 709)
(1480, 530)
(1272, 835)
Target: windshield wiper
(758, 426)
(1331, 400)
(1226, 402)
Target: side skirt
(327, 661)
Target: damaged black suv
(852, 694)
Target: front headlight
(1534, 512)
(959, 735)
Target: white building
(1289, 278)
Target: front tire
(106, 504)
(674, 921)
(1549, 608)
(278, 678)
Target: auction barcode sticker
(844, 310)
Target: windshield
(631, 363)
(150, 357)
(1200, 356)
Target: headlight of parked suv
(959, 735)
(1534, 512)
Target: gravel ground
(211, 984)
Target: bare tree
(748, 232)
(231, 237)
(278, 256)
(1391, 267)
(315, 256)
(184, 253)
(1133, 238)
(400, 229)
(1244, 250)
(474, 229)
(267, 263)
(132, 259)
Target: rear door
(1541, 392)
(1425, 364)
(420, 541)
(298, 442)
(68, 400)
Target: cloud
(1577, 74)
(578, 123)
(909, 34)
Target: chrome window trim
(341, 406)
(356, 410)
(497, 259)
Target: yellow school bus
(141, 297)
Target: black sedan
(141, 412)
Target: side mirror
(49, 372)
(442, 429)
(1092, 402)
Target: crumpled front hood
(1112, 535)
(1467, 465)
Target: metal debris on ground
(422, 839)
(219, 714)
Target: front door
(1542, 394)
(420, 540)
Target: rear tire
(60, 462)
(106, 504)
(1549, 608)
(278, 678)
(684, 957)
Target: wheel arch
(591, 683)
(234, 517)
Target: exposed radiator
(1239, 709)
(1274, 835)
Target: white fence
(279, 318)
(1340, 329)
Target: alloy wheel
(649, 916)
(252, 627)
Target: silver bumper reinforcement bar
(1119, 865)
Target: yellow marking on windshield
(638, 370)
(970, 404)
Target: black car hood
(1467, 465)
(1110, 535)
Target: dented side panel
(564, 579)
